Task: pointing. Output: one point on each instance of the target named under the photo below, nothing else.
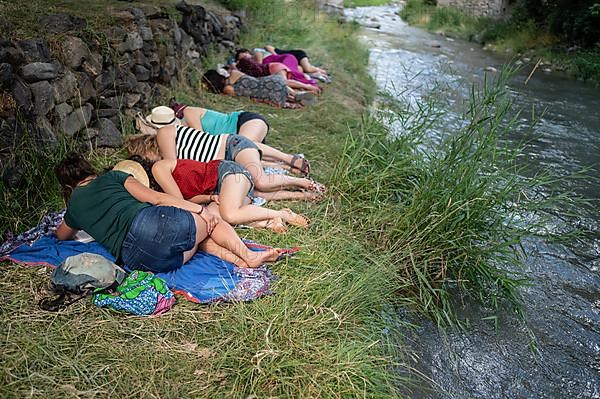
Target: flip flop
(304, 168)
(316, 187)
(297, 219)
(287, 253)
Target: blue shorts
(227, 168)
(235, 144)
(157, 239)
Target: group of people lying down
(284, 78)
(194, 178)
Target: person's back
(104, 209)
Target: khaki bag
(142, 125)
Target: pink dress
(292, 63)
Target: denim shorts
(227, 168)
(157, 239)
(235, 144)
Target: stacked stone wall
(478, 8)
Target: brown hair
(213, 81)
(142, 144)
(71, 171)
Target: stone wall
(479, 8)
(79, 84)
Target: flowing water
(556, 354)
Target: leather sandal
(277, 225)
(304, 168)
(297, 219)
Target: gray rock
(89, 134)
(115, 34)
(132, 99)
(37, 71)
(65, 88)
(153, 12)
(12, 175)
(43, 98)
(110, 102)
(6, 75)
(11, 134)
(108, 134)
(77, 120)
(126, 80)
(23, 97)
(75, 51)
(44, 136)
(140, 58)
(137, 13)
(11, 55)
(93, 65)
(141, 73)
(34, 50)
(105, 80)
(85, 87)
(61, 22)
(61, 111)
(170, 65)
(146, 33)
(133, 41)
(105, 113)
(142, 88)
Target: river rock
(490, 69)
(43, 98)
(77, 120)
(34, 50)
(61, 22)
(37, 71)
(133, 41)
(108, 134)
(65, 88)
(6, 75)
(85, 87)
(23, 97)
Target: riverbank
(523, 41)
(319, 335)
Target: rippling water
(562, 304)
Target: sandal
(304, 168)
(276, 225)
(317, 187)
(296, 219)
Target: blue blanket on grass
(203, 279)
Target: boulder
(141, 73)
(133, 41)
(37, 71)
(75, 51)
(43, 135)
(77, 120)
(65, 88)
(61, 22)
(43, 98)
(85, 87)
(23, 97)
(34, 50)
(108, 134)
(6, 75)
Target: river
(562, 304)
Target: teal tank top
(214, 122)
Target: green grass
(504, 36)
(365, 3)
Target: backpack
(141, 293)
(78, 276)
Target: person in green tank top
(142, 228)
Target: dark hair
(240, 51)
(71, 171)
(214, 81)
(147, 165)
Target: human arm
(64, 232)
(193, 117)
(166, 142)
(145, 194)
(163, 174)
(204, 198)
(270, 49)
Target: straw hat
(161, 116)
(134, 169)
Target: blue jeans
(157, 239)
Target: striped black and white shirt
(197, 145)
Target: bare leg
(250, 159)
(201, 235)
(284, 195)
(211, 247)
(273, 154)
(234, 189)
(256, 130)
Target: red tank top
(196, 178)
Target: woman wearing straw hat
(143, 228)
(248, 124)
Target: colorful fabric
(104, 209)
(141, 294)
(48, 224)
(292, 63)
(253, 68)
(270, 89)
(196, 178)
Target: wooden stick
(533, 70)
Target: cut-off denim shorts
(227, 168)
(235, 144)
(157, 239)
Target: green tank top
(104, 209)
(214, 122)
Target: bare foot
(257, 259)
